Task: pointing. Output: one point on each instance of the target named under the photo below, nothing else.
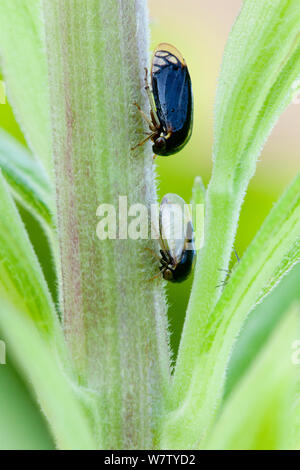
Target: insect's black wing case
(172, 91)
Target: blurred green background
(199, 29)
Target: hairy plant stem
(114, 319)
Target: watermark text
(138, 222)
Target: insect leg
(166, 257)
(150, 123)
(164, 261)
(154, 116)
(155, 277)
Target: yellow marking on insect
(165, 47)
(161, 53)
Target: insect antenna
(144, 115)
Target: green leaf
(30, 327)
(275, 249)
(294, 439)
(258, 414)
(21, 277)
(198, 202)
(20, 409)
(273, 252)
(63, 405)
(27, 178)
(30, 186)
(259, 326)
(24, 65)
(261, 64)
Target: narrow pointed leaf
(21, 277)
(24, 65)
(259, 326)
(27, 178)
(259, 413)
(260, 68)
(63, 406)
(275, 249)
(30, 327)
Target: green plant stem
(114, 318)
